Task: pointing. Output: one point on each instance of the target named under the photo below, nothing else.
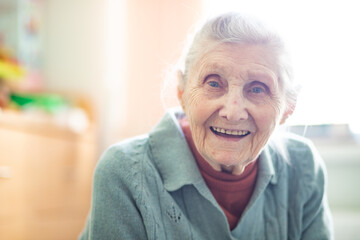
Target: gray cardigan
(149, 187)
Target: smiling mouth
(229, 133)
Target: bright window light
(114, 81)
(324, 41)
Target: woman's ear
(180, 88)
(180, 93)
(290, 108)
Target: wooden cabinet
(45, 178)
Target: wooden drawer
(45, 186)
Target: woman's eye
(214, 84)
(257, 90)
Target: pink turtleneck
(232, 192)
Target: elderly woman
(213, 170)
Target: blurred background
(79, 75)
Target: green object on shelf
(48, 102)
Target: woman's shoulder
(290, 148)
(304, 162)
(301, 150)
(129, 147)
(124, 160)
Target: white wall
(74, 45)
(75, 57)
(116, 51)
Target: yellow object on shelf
(10, 71)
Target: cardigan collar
(172, 155)
(175, 161)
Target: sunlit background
(79, 75)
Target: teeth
(234, 132)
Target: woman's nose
(234, 108)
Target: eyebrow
(271, 79)
(211, 68)
(214, 67)
(267, 76)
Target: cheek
(266, 120)
(197, 112)
(190, 98)
(196, 107)
(267, 117)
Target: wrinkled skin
(237, 88)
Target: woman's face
(233, 101)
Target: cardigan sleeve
(115, 213)
(320, 226)
(316, 221)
